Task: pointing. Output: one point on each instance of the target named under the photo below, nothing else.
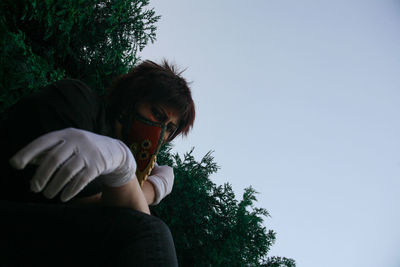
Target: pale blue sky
(299, 99)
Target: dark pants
(61, 235)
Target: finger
(39, 158)
(77, 184)
(33, 149)
(64, 174)
(53, 160)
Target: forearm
(90, 200)
(149, 192)
(129, 195)
(113, 196)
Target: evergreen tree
(210, 226)
(279, 262)
(45, 40)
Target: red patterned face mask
(145, 138)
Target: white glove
(162, 178)
(73, 158)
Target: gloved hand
(162, 178)
(70, 158)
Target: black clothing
(66, 103)
(34, 232)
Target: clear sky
(301, 100)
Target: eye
(158, 114)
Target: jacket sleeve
(63, 104)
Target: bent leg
(61, 235)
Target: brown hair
(153, 83)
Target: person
(68, 145)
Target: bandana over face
(145, 138)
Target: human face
(162, 114)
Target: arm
(160, 183)
(69, 159)
(129, 195)
(153, 190)
(149, 192)
(117, 196)
(83, 156)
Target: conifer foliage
(210, 226)
(45, 40)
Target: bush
(46, 40)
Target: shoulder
(69, 88)
(67, 91)
(62, 104)
(72, 84)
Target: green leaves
(280, 262)
(210, 226)
(93, 41)
(21, 70)
(45, 40)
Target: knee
(135, 222)
(143, 239)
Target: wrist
(149, 192)
(123, 173)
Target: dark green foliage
(45, 40)
(280, 262)
(210, 227)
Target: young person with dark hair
(68, 145)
